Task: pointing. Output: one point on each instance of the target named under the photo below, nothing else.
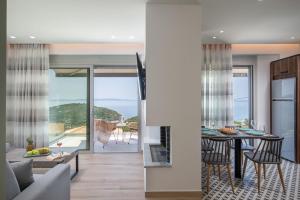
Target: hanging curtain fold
(217, 94)
(27, 94)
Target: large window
(68, 108)
(242, 95)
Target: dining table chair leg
(281, 177)
(244, 168)
(229, 176)
(255, 167)
(264, 168)
(242, 158)
(208, 174)
(219, 172)
(258, 177)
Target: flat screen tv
(141, 77)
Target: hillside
(74, 115)
(132, 119)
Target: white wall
(261, 91)
(173, 61)
(283, 50)
(97, 49)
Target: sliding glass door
(242, 95)
(115, 110)
(69, 108)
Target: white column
(173, 64)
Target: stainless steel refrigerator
(284, 114)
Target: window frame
(88, 122)
(250, 83)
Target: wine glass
(252, 124)
(263, 128)
(59, 144)
(213, 124)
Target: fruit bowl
(228, 131)
(45, 151)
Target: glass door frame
(90, 124)
(250, 82)
(90, 98)
(121, 74)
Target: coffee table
(17, 154)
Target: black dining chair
(205, 145)
(220, 156)
(267, 152)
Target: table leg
(237, 159)
(77, 163)
(76, 166)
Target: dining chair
(267, 152)
(104, 130)
(220, 156)
(133, 128)
(205, 145)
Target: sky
(115, 88)
(240, 96)
(70, 88)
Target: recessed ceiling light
(13, 37)
(32, 37)
(214, 37)
(293, 37)
(113, 37)
(131, 37)
(221, 31)
(260, 0)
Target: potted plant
(30, 146)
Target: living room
(133, 99)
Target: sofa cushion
(12, 186)
(23, 173)
(37, 176)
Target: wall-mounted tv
(141, 77)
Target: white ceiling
(96, 21)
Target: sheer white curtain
(217, 94)
(27, 94)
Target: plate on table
(245, 129)
(209, 132)
(36, 155)
(255, 132)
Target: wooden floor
(110, 176)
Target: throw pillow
(23, 172)
(12, 186)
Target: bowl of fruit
(44, 151)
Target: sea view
(126, 107)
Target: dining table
(237, 137)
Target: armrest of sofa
(54, 185)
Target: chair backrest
(133, 126)
(205, 141)
(220, 153)
(269, 150)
